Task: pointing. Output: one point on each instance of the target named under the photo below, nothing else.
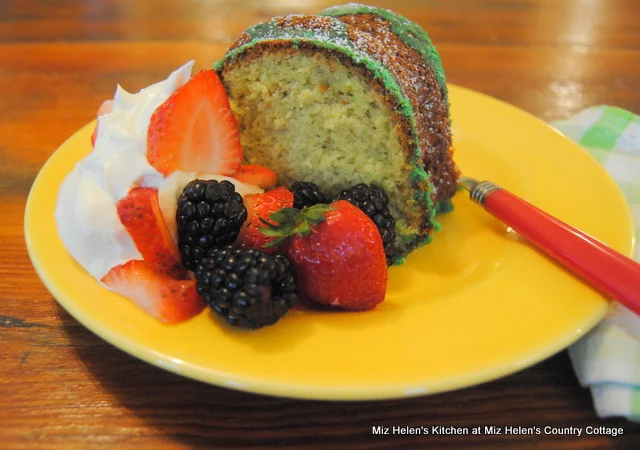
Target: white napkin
(607, 360)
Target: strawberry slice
(105, 108)
(194, 130)
(94, 135)
(257, 175)
(262, 206)
(141, 215)
(164, 298)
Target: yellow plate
(474, 305)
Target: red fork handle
(610, 272)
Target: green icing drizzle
(444, 206)
(270, 31)
(336, 39)
(419, 178)
(399, 261)
(408, 31)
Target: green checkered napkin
(607, 360)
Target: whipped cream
(86, 212)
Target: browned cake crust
(373, 34)
(423, 128)
(404, 130)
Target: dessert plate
(474, 305)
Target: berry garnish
(166, 299)
(210, 214)
(140, 214)
(247, 287)
(257, 175)
(337, 254)
(373, 201)
(305, 194)
(194, 130)
(259, 207)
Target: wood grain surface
(61, 387)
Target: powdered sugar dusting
(374, 36)
(400, 56)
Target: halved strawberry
(166, 299)
(194, 130)
(140, 214)
(257, 175)
(106, 107)
(262, 206)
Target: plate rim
(310, 391)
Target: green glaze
(423, 195)
(408, 31)
(399, 261)
(444, 206)
(335, 39)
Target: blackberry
(210, 214)
(373, 201)
(306, 193)
(248, 287)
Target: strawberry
(337, 253)
(257, 175)
(166, 299)
(140, 214)
(94, 135)
(194, 130)
(105, 108)
(260, 206)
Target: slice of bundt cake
(353, 95)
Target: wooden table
(62, 387)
